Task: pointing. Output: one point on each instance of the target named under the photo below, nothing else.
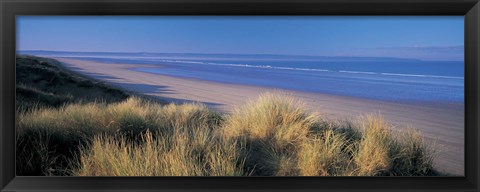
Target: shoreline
(363, 99)
(440, 122)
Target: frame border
(9, 9)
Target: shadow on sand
(148, 90)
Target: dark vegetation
(43, 82)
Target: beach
(441, 123)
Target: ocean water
(397, 81)
(389, 79)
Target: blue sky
(420, 37)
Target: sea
(388, 79)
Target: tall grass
(381, 152)
(276, 117)
(272, 136)
(272, 126)
(176, 140)
(64, 131)
(324, 155)
(109, 156)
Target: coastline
(436, 122)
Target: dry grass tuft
(276, 117)
(373, 156)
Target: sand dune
(439, 123)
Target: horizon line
(264, 54)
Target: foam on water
(303, 69)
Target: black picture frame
(9, 9)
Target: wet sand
(441, 123)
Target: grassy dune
(270, 136)
(43, 82)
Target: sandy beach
(439, 123)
